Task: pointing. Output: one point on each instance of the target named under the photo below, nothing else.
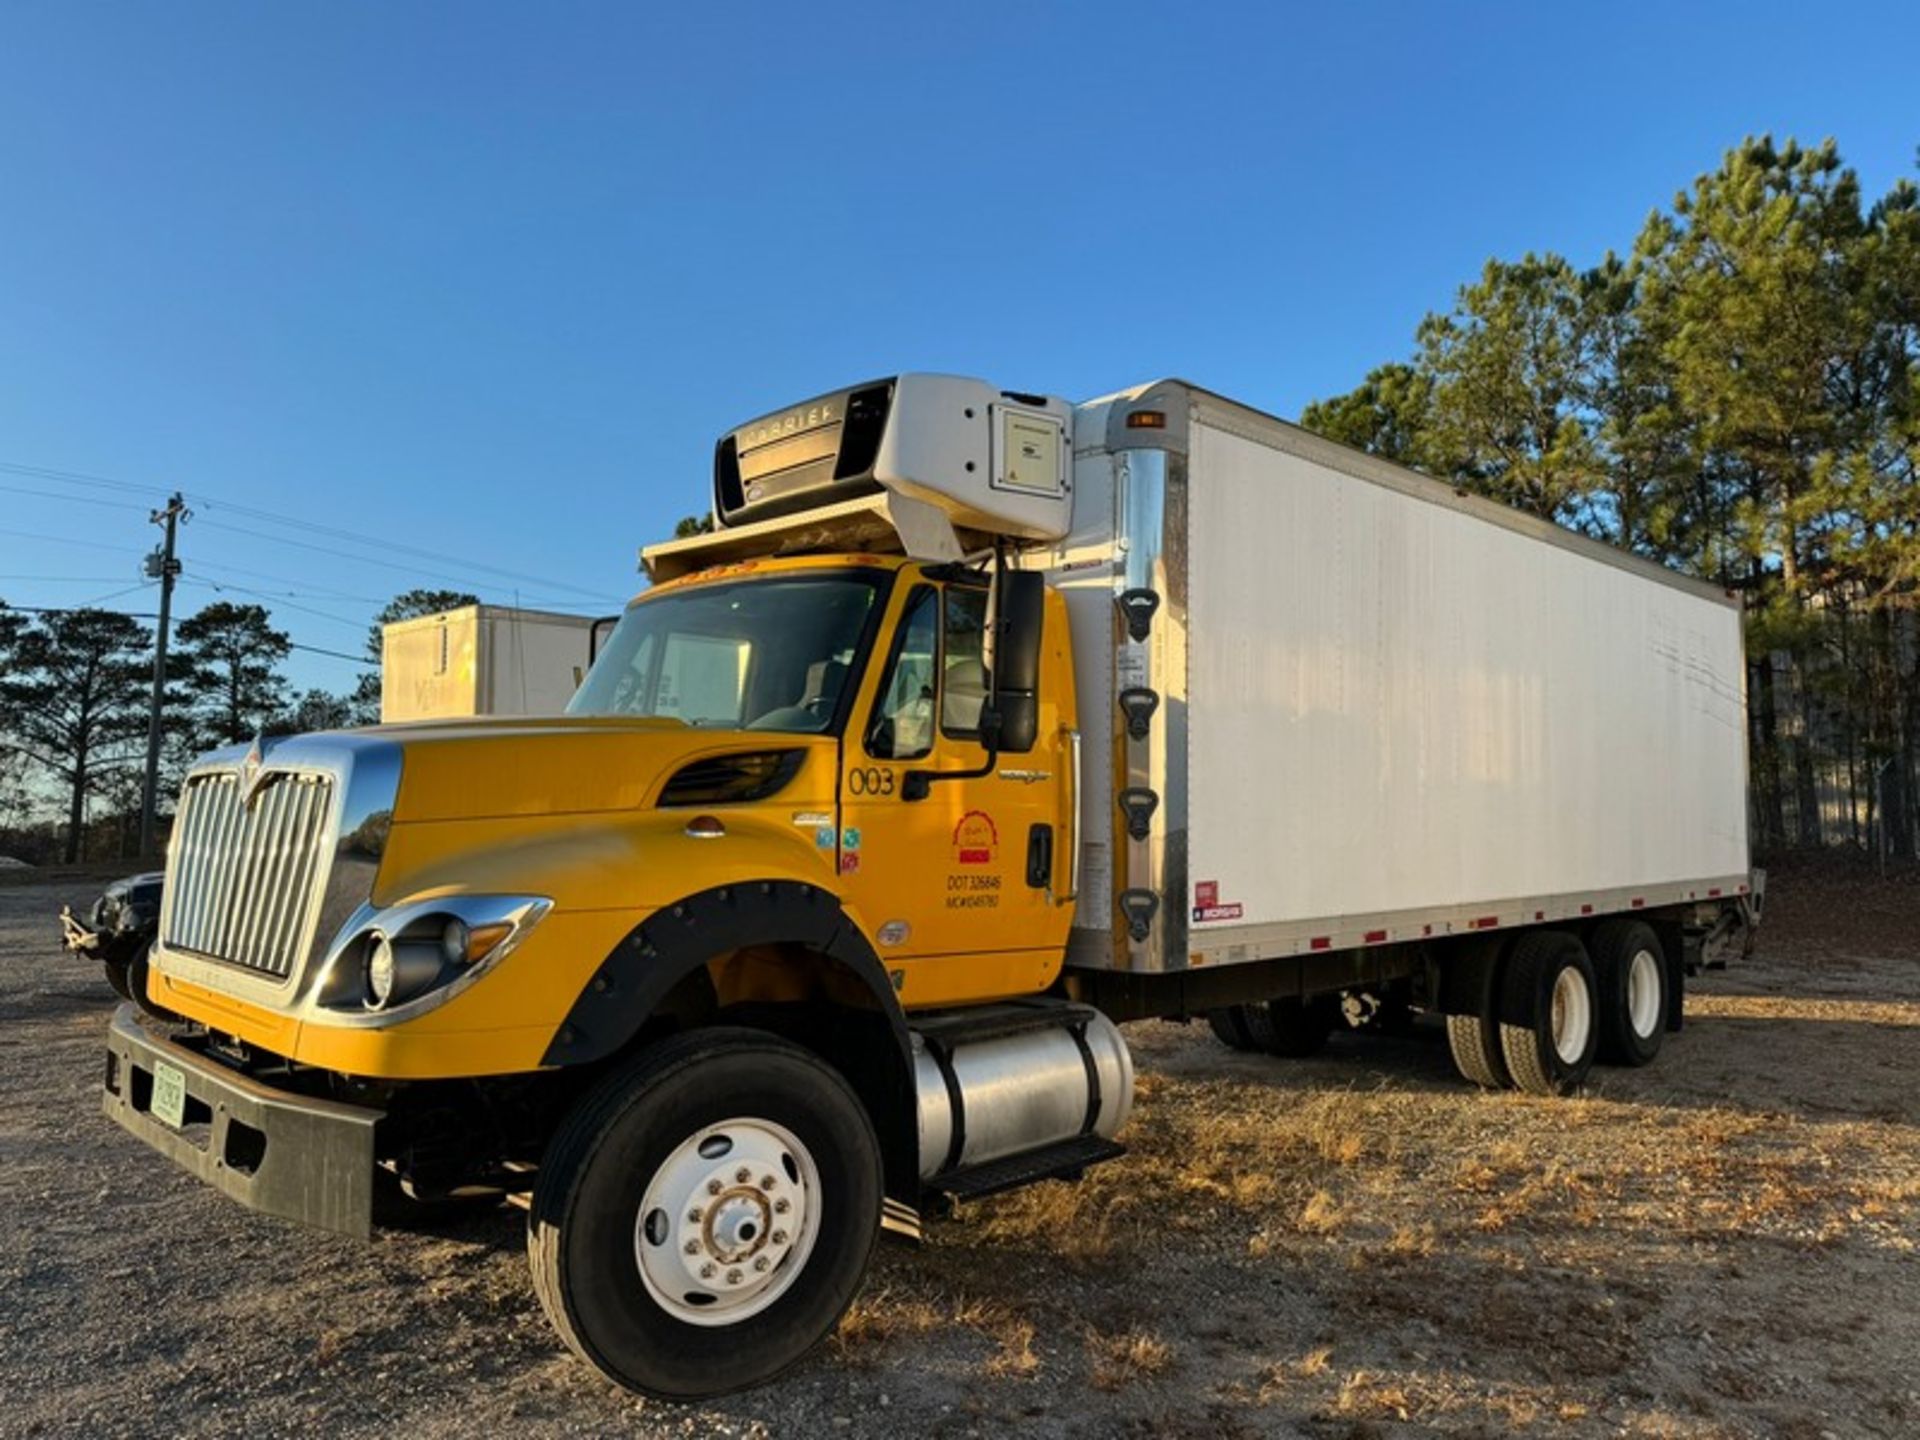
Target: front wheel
(706, 1215)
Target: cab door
(960, 890)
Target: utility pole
(163, 567)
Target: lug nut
(762, 1263)
(734, 1277)
(713, 1187)
(781, 1206)
(693, 1247)
(706, 1271)
(743, 1174)
(696, 1215)
(779, 1237)
(766, 1182)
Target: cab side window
(964, 688)
(902, 727)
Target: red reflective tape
(1638, 902)
(1539, 914)
(1426, 929)
(1743, 889)
(1586, 909)
(1321, 942)
(1485, 922)
(1714, 893)
(1374, 937)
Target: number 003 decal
(870, 781)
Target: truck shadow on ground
(1707, 1064)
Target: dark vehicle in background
(118, 932)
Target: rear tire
(1635, 999)
(647, 1247)
(1549, 1013)
(1291, 1027)
(1230, 1027)
(1473, 1017)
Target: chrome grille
(243, 879)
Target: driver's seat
(824, 681)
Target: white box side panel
(428, 668)
(1395, 705)
(533, 663)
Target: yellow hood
(500, 767)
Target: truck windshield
(772, 654)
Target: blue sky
(487, 280)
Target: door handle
(1040, 856)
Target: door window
(964, 670)
(902, 727)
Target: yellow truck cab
(980, 723)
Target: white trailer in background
(482, 660)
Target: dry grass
(1013, 1359)
(880, 1318)
(1356, 1247)
(1115, 1361)
(1406, 1173)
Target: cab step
(951, 1028)
(1065, 1160)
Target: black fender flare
(678, 939)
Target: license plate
(170, 1093)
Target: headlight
(390, 962)
(398, 970)
(380, 971)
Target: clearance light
(1146, 420)
(705, 827)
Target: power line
(76, 477)
(64, 540)
(222, 586)
(413, 570)
(305, 592)
(398, 549)
(111, 595)
(70, 499)
(359, 660)
(71, 609)
(66, 579)
(213, 502)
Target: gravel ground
(1721, 1244)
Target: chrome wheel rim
(1643, 993)
(1572, 1015)
(728, 1221)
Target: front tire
(705, 1216)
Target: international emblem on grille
(251, 771)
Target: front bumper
(274, 1151)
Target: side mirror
(1021, 606)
